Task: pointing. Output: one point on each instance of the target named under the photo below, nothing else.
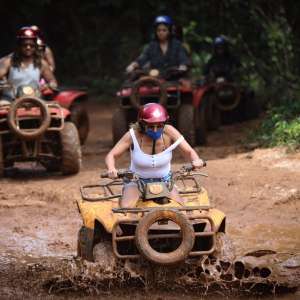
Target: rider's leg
(130, 196)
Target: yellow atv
(158, 229)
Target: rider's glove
(131, 67)
(182, 68)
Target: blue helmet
(219, 40)
(163, 20)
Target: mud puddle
(258, 273)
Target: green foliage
(281, 126)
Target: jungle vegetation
(94, 40)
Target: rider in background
(222, 63)
(164, 52)
(25, 65)
(151, 142)
(46, 52)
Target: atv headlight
(154, 73)
(28, 91)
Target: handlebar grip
(104, 175)
(121, 173)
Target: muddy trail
(258, 189)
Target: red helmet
(26, 33)
(153, 113)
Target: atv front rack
(105, 192)
(57, 120)
(201, 236)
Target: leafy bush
(281, 126)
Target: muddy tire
(201, 125)
(119, 124)
(51, 166)
(169, 258)
(85, 243)
(12, 115)
(251, 108)
(71, 152)
(79, 116)
(104, 256)
(225, 104)
(1, 158)
(213, 113)
(186, 123)
(225, 250)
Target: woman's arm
(50, 58)
(123, 144)
(48, 74)
(187, 151)
(5, 64)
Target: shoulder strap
(134, 140)
(175, 144)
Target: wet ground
(258, 189)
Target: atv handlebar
(124, 173)
(5, 85)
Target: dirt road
(258, 189)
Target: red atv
(226, 102)
(33, 130)
(178, 96)
(75, 101)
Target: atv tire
(85, 243)
(213, 113)
(1, 158)
(80, 118)
(201, 124)
(225, 250)
(251, 108)
(12, 115)
(186, 123)
(169, 258)
(71, 151)
(119, 124)
(103, 255)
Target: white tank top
(151, 166)
(22, 76)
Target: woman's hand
(198, 163)
(112, 173)
(132, 67)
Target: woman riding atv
(222, 63)
(151, 142)
(24, 66)
(164, 53)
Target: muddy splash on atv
(257, 273)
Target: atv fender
(199, 95)
(67, 98)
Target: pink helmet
(26, 33)
(153, 113)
